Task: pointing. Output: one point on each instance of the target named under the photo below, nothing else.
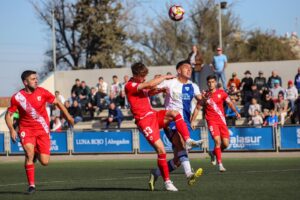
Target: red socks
(217, 152)
(181, 127)
(30, 173)
(163, 166)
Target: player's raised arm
(154, 82)
(67, 115)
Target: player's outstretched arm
(154, 82)
(67, 115)
(232, 106)
(155, 91)
(9, 123)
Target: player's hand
(168, 77)
(238, 116)
(13, 135)
(193, 125)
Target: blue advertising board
(145, 147)
(290, 137)
(1, 142)
(248, 139)
(58, 141)
(103, 142)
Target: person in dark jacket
(272, 79)
(260, 81)
(196, 60)
(76, 112)
(297, 80)
(114, 115)
(246, 84)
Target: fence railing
(131, 141)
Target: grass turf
(263, 178)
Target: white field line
(144, 177)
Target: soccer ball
(176, 13)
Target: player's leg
(29, 165)
(43, 148)
(224, 142)
(216, 153)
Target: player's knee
(225, 145)
(174, 113)
(161, 151)
(217, 143)
(44, 162)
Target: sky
(24, 38)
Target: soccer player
(213, 101)
(150, 121)
(180, 92)
(34, 123)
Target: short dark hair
(139, 69)
(211, 77)
(77, 79)
(182, 63)
(115, 76)
(100, 78)
(26, 74)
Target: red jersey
(214, 109)
(32, 109)
(139, 101)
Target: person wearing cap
(246, 84)
(196, 59)
(291, 94)
(273, 78)
(297, 80)
(275, 90)
(234, 79)
(260, 81)
(219, 64)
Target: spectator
(114, 115)
(276, 90)
(76, 89)
(76, 112)
(296, 114)
(297, 80)
(254, 93)
(219, 65)
(84, 94)
(102, 85)
(260, 81)
(274, 77)
(126, 104)
(116, 86)
(91, 106)
(281, 107)
(101, 100)
(256, 119)
(234, 80)
(230, 114)
(268, 103)
(234, 93)
(169, 73)
(55, 111)
(59, 97)
(196, 60)
(291, 94)
(253, 107)
(121, 99)
(246, 84)
(16, 118)
(272, 119)
(57, 125)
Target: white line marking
(144, 177)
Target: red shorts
(40, 140)
(218, 130)
(151, 124)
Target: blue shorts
(172, 129)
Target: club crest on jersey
(187, 88)
(22, 134)
(39, 98)
(219, 96)
(133, 84)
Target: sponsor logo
(241, 142)
(298, 135)
(105, 141)
(39, 98)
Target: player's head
(184, 69)
(30, 79)
(139, 71)
(211, 82)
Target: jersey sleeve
(226, 98)
(13, 105)
(49, 97)
(131, 88)
(196, 89)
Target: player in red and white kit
(34, 122)
(150, 121)
(213, 101)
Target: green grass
(270, 178)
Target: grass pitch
(263, 178)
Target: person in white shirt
(291, 94)
(60, 97)
(253, 107)
(116, 86)
(102, 85)
(256, 120)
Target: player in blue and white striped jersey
(180, 93)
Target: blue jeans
(221, 75)
(77, 119)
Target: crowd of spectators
(264, 101)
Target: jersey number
(147, 131)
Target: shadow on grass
(91, 189)
(12, 193)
